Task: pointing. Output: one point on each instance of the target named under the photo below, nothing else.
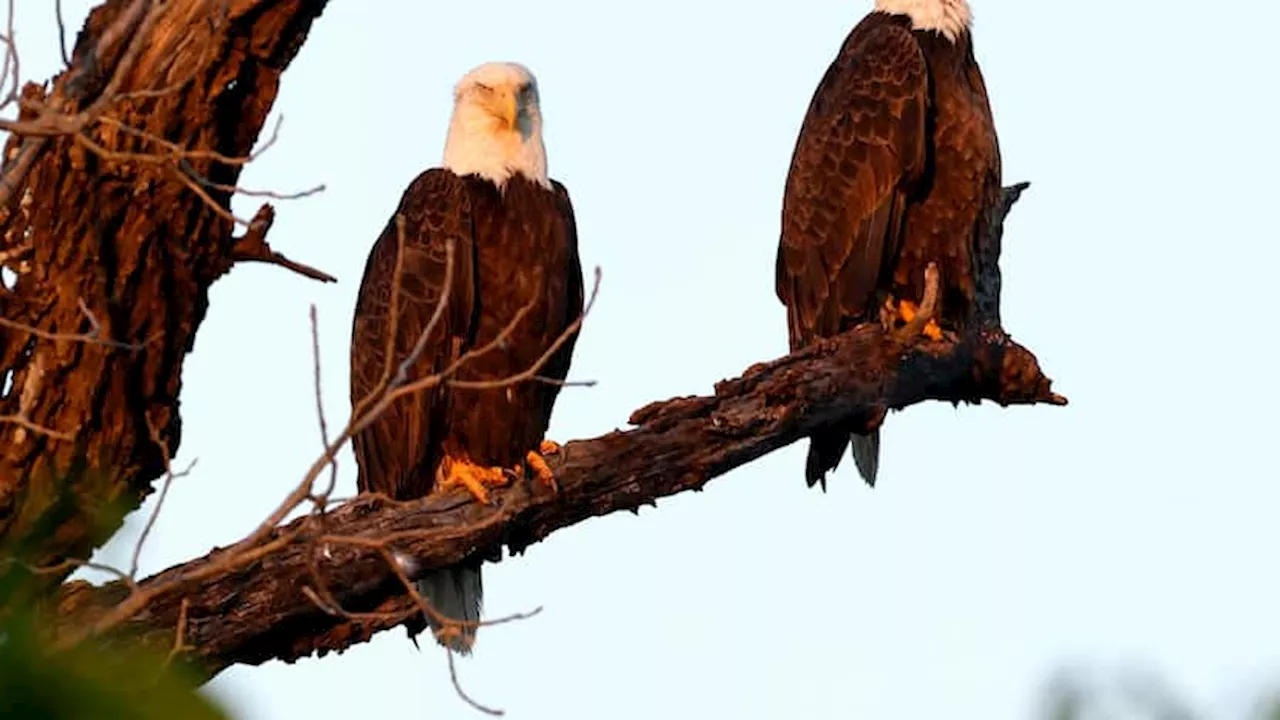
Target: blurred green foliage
(90, 681)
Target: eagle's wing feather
(567, 284)
(397, 452)
(862, 145)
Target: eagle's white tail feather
(865, 450)
(455, 593)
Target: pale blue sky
(1135, 526)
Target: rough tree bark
(114, 210)
(303, 592)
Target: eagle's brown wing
(569, 285)
(397, 453)
(860, 149)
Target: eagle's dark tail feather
(456, 593)
(827, 448)
(865, 450)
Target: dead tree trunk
(114, 215)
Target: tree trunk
(116, 229)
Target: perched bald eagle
(895, 163)
(515, 248)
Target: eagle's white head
(950, 18)
(496, 128)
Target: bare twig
(169, 477)
(393, 319)
(324, 424)
(94, 336)
(402, 372)
(72, 564)
(62, 33)
(11, 63)
(457, 687)
(532, 371)
(252, 246)
(27, 424)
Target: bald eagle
(896, 160)
(515, 269)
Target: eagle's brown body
(896, 160)
(514, 248)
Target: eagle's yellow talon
(908, 311)
(537, 463)
(932, 331)
(472, 477)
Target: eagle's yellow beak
(504, 107)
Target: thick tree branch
(330, 580)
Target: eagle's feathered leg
(475, 478)
(537, 462)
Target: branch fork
(252, 247)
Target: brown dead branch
(323, 583)
(253, 247)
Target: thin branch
(73, 564)
(62, 33)
(11, 61)
(532, 371)
(253, 247)
(37, 428)
(393, 319)
(169, 477)
(180, 645)
(446, 292)
(93, 336)
(457, 687)
(324, 423)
